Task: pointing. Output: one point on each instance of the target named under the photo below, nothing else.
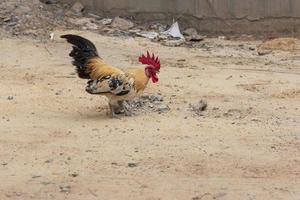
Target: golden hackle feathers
(97, 69)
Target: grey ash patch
(150, 103)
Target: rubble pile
(39, 18)
(31, 18)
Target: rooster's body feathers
(117, 85)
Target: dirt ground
(57, 141)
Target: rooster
(119, 86)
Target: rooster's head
(153, 66)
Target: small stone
(199, 106)
(251, 196)
(156, 97)
(147, 34)
(94, 16)
(163, 108)
(49, 1)
(222, 37)
(121, 23)
(91, 26)
(77, 8)
(132, 165)
(201, 197)
(262, 52)
(190, 32)
(174, 43)
(58, 92)
(162, 37)
(65, 188)
(145, 96)
(158, 26)
(219, 195)
(229, 77)
(193, 36)
(46, 183)
(196, 38)
(36, 176)
(74, 174)
(106, 21)
(6, 19)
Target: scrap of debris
(198, 107)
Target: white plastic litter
(150, 35)
(51, 36)
(174, 31)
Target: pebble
(156, 97)
(220, 195)
(114, 163)
(121, 23)
(132, 165)
(163, 108)
(10, 97)
(106, 21)
(49, 1)
(74, 174)
(190, 32)
(65, 188)
(77, 8)
(262, 52)
(198, 107)
(7, 19)
(58, 92)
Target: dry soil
(57, 142)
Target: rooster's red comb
(150, 60)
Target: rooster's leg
(112, 111)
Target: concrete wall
(241, 16)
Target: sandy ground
(57, 142)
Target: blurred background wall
(227, 16)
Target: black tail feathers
(82, 51)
